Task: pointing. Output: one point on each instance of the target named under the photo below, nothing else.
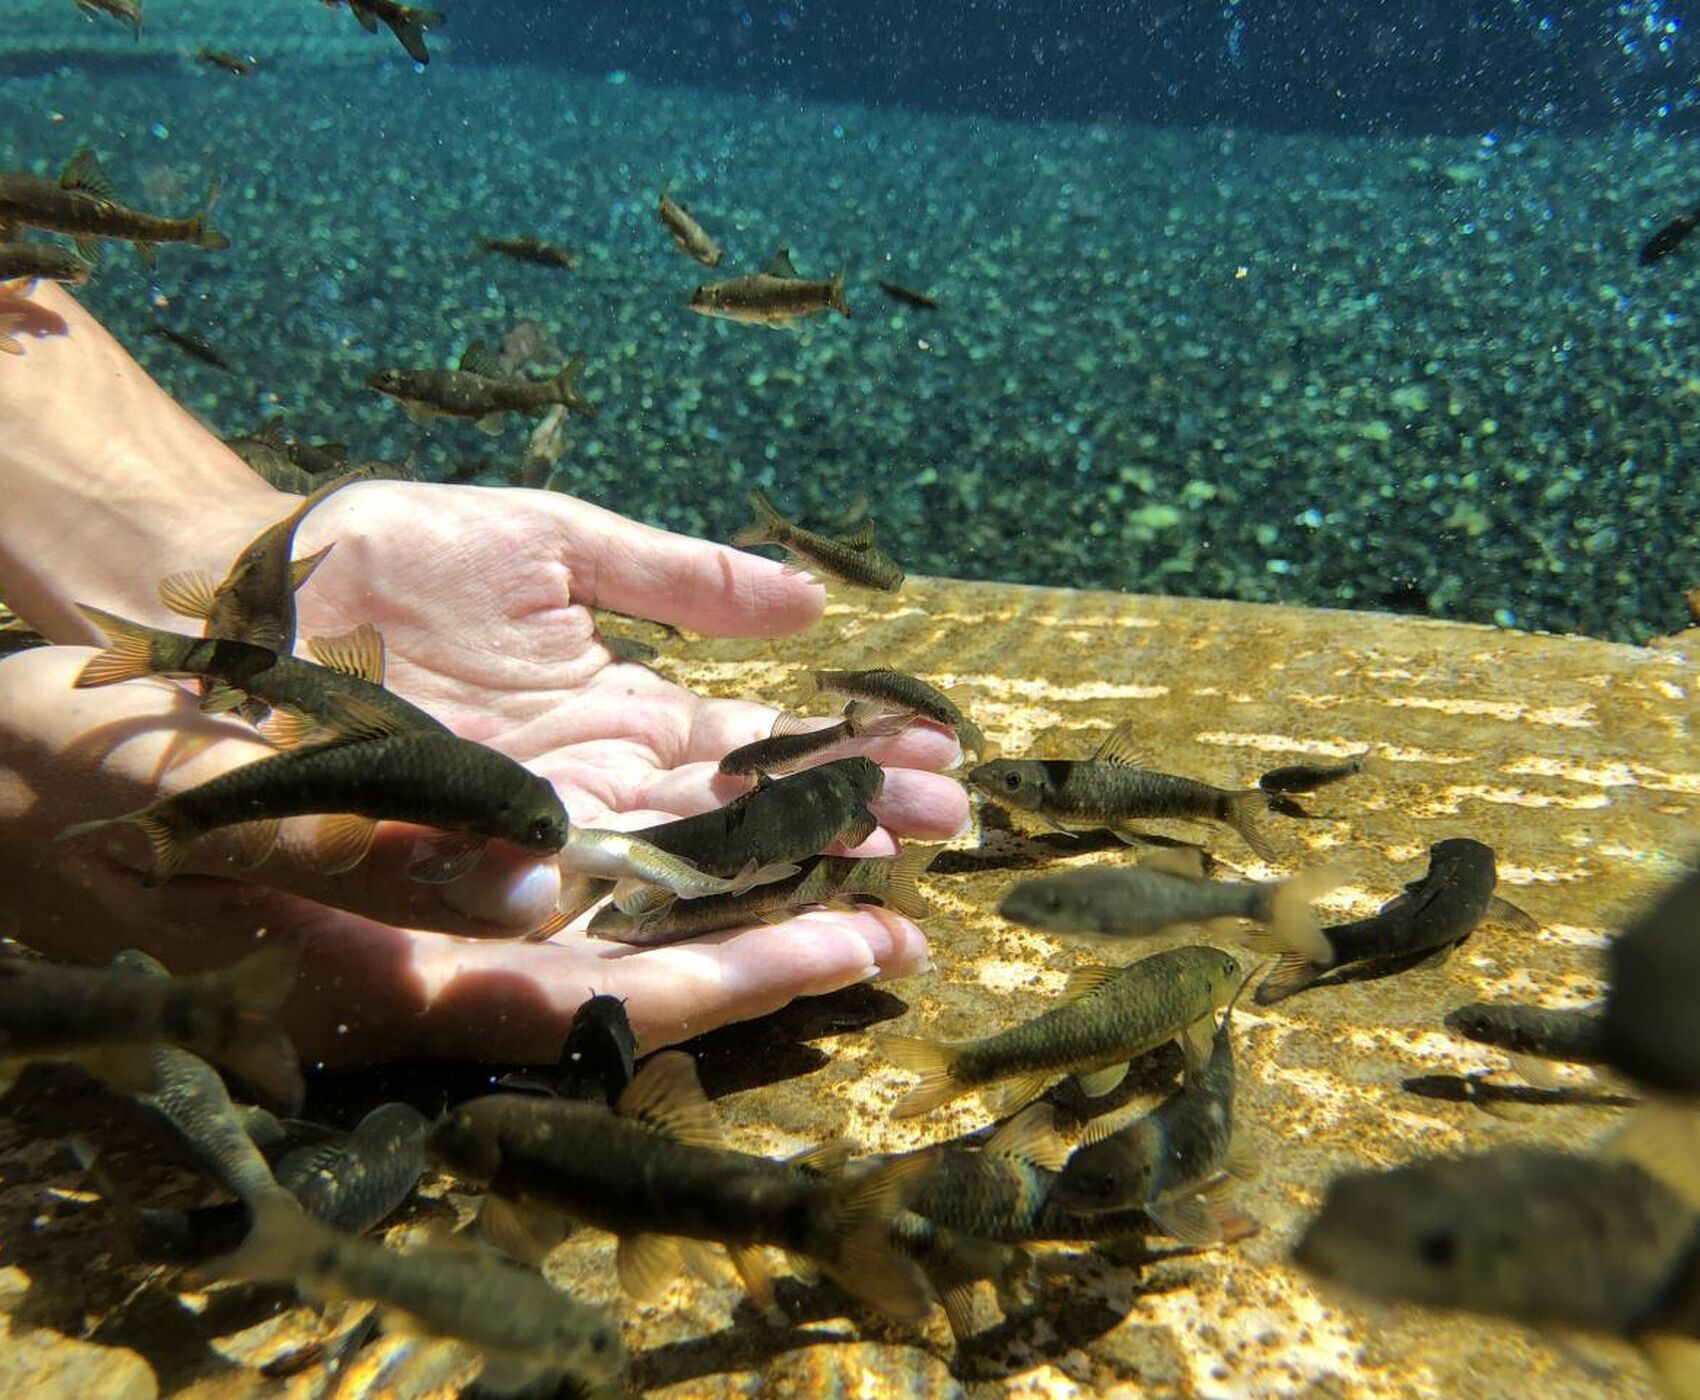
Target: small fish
(289, 466)
(830, 880)
(622, 855)
(478, 390)
(687, 234)
(81, 203)
(373, 774)
(796, 740)
(776, 297)
(21, 316)
(897, 690)
(1669, 238)
(194, 346)
(357, 1183)
(1575, 1037)
(407, 22)
(530, 250)
(656, 1169)
(1308, 777)
(854, 559)
(779, 821)
(1653, 996)
(921, 301)
(1111, 789)
(124, 11)
(528, 1330)
(50, 262)
(234, 64)
(1105, 1017)
(1163, 891)
(107, 1019)
(599, 1058)
(1434, 915)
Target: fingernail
(522, 896)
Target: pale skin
(481, 595)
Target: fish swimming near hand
(1433, 916)
(81, 203)
(1110, 789)
(688, 236)
(50, 262)
(536, 251)
(288, 465)
(776, 297)
(195, 346)
(853, 559)
(897, 690)
(357, 1182)
(21, 316)
(625, 856)
(795, 741)
(478, 390)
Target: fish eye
(1100, 1184)
(1438, 1249)
(543, 829)
(1053, 900)
(1012, 781)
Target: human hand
(480, 596)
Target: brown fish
(478, 390)
(531, 250)
(192, 345)
(233, 64)
(921, 301)
(124, 11)
(81, 203)
(407, 22)
(776, 297)
(853, 559)
(688, 236)
(48, 261)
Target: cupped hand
(481, 595)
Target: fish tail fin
(1244, 812)
(1292, 926)
(1292, 973)
(1376, 764)
(251, 1042)
(770, 526)
(836, 297)
(409, 31)
(567, 390)
(204, 235)
(128, 655)
(279, 1244)
(901, 894)
(930, 1059)
(859, 1251)
(168, 841)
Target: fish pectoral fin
(191, 593)
(828, 1158)
(1197, 1041)
(491, 424)
(756, 1277)
(1031, 1136)
(526, 1233)
(341, 842)
(1021, 1090)
(1503, 911)
(358, 652)
(1192, 1217)
(931, 1060)
(440, 860)
(1533, 1071)
(300, 570)
(646, 1264)
(288, 729)
(779, 265)
(667, 1098)
(636, 898)
(1187, 862)
(548, 928)
(1119, 746)
(1085, 980)
(1242, 1161)
(220, 699)
(252, 842)
(351, 718)
(1098, 1082)
(860, 828)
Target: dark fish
(407, 22)
(358, 1183)
(854, 559)
(291, 466)
(478, 390)
(897, 690)
(234, 64)
(907, 295)
(795, 741)
(599, 1058)
(81, 203)
(124, 11)
(1106, 1017)
(191, 345)
(889, 881)
(775, 297)
(779, 822)
(530, 250)
(687, 234)
(1576, 1037)
(657, 1170)
(1653, 1003)
(107, 1019)
(1110, 789)
(50, 262)
(1434, 914)
(375, 774)
(1308, 777)
(1671, 237)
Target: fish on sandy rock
(1433, 916)
(1105, 1017)
(124, 11)
(780, 821)
(1308, 777)
(656, 1171)
(1110, 789)
(1669, 238)
(1164, 890)
(108, 1019)
(49, 262)
(194, 346)
(81, 203)
(234, 64)
(536, 251)
(1653, 993)
(19, 316)
(897, 690)
(853, 558)
(909, 296)
(688, 236)
(1531, 1035)
(797, 741)
(478, 390)
(776, 297)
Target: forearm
(106, 484)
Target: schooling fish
(1159, 893)
(124, 11)
(780, 820)
(51, 262)
(795, 741)
(1106, 1017)
(81, 203)
(1434, 914)
(897, 690)
(921, 301)
(479, 390)
(194, 346)
(1669, 238)
(1308, 777)
(656, 1170)
(107, 1019)
(688, 236)
(1110, 789)
(1653, 1001)
(854, 559)
(530, 250)
(233, 64)
(776, 296)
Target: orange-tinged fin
(666, 1097)
(253, 1045)
(9, 343)
(1119, 746)
(1193, 1217)
(635, 898)
(1292, 973)
(1018, 1092)
(548, 928)
(287, 728)
(251, 842)
(826, 1159)
(129, 652)
(957, 1300)
(352, 719)
(646, 1264)
(860, 1255)
(221, 699)
(871, 722)
(1098, 1082)
(1503, 911)
(1083, 981)
(341, 842)
(770, 526)
(191, 593)
(757, 1279)
(526, 1233)
(1031, 1136)
(443, 859)
(836, 297)
(933, 1062)
(300, 570)
(898, 890)
(168, 847)
(1244, 811)
(359, 652)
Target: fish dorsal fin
(359, 652)
(667, 1097)
(779, 265)
(1184, 861)
(862, 537)
(827, 1159)
(300, 570)
(786, 723)
(646, 1265)
(271, 433)
(1664, 1141)
(191, 593)
(1084, 980)
(83, 172)
(476, 359)
(1031, 1137)
(1119, 747)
